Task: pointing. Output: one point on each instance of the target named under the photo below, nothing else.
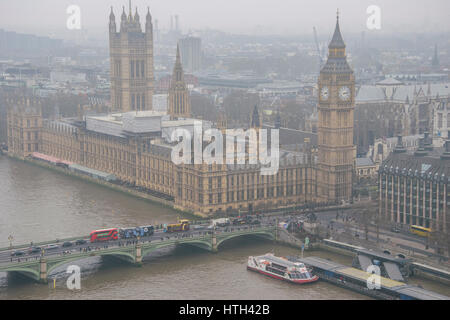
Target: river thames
(39, 204)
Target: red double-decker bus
(104, 235)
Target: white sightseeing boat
(281, 268)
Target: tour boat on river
(281, 268)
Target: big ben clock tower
(335, 127)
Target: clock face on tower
(344, 93)
(324, 93)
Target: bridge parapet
(39, 269)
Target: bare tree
(440, 241)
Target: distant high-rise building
(191, 53)
(277, 120)
(131, 55)
(157, 32)
(177, 26)
(255, 122)
(435, 61)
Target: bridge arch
(203, 244)
(129, 257)
(146, 250)
(261, 234)
(28, 272)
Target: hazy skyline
(289, 17)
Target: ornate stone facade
(24, 123)
(335, 126)
(131, 55)
(143, 158)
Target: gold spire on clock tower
(335, 127)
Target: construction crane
(274, 100)
(318, 48)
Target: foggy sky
(290, 17)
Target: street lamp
(10, 238)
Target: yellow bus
(420, 231)
(182, 225)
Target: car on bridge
(52, 247)
(251, 220)
(17, 253)
(67, 244)
(221, 222)
(238, 221)
(80, 242)
(34, 250)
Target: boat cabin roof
(281, 261)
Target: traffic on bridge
(130, 244)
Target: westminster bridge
(39, 265)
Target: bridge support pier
(43, 270)
(138, 255)
(214, 243)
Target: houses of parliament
(134, 143)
